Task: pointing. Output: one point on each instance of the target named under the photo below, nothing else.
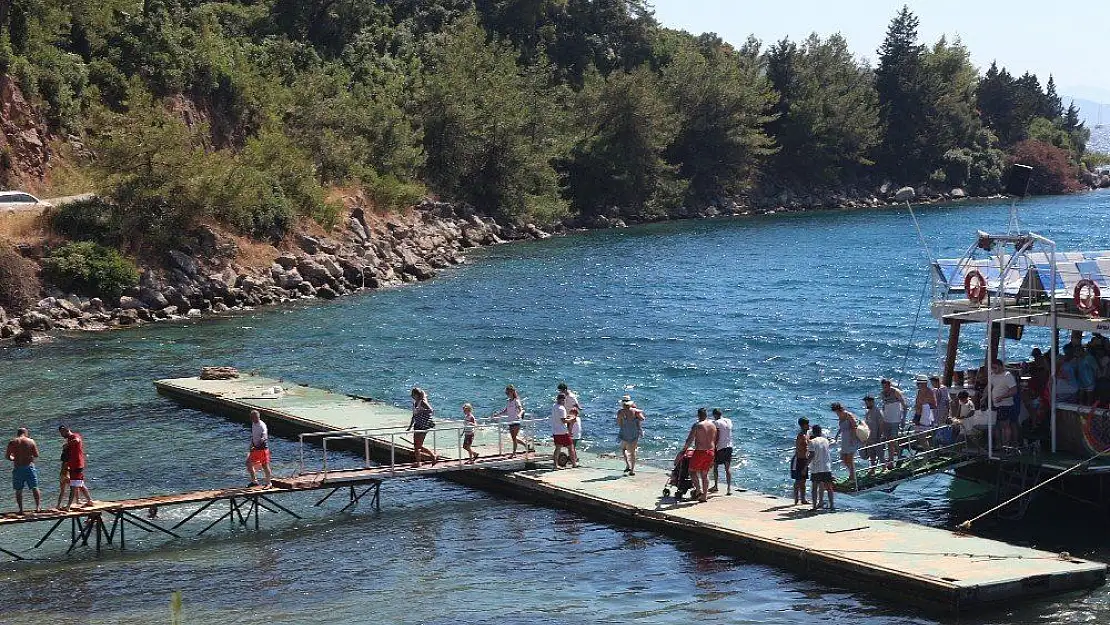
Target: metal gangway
(908, 457)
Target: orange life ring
(1090, 303)
(975, 285)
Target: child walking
(470, 423)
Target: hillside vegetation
(247, 112)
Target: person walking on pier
(561, 432)
(799, 464)
(513, 412)
(572, 398)
(73, 458)
(420, 424)
(723, 454)
(470, 424)
(259, 454)
(894, 417)
(23, 451)
(821, 465)
(703, 438)
(630, 427)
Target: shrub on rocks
(19, 282)
(90, 269)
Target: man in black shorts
(723, 453)
(799, 463)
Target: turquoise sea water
(767, 317)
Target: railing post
(434, 452)
(325, 441)
(392, 453)
(300, 453)
(366, 445)
(458, 443)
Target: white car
(21, 200)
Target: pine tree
(1053, 107)
(899, 84)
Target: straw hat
(626, 400)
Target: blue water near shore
(769, 318)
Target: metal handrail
(380, 433)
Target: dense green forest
(533, 110)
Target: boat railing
(442, 438)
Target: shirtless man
(703, 437)
(22, 451)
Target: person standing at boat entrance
(849, 441)
(513, 412)
(894, 416)
(924, 407)
(1004, 389)
(630, 428)
(873, 417)
(944, 401)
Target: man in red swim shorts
(259, 455)
(703, 437)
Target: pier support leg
(49, 532)
(10, 554)
(356, 497)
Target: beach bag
(863, 432)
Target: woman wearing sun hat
(630, 427)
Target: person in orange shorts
(703, 438)
(259, 456)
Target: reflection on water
(769, 318)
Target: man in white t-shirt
(1003, 389)
(560, 432)
(723, 454)
(820, 469)
(574, 413)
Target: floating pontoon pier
(929, 567)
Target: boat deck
(934, 568)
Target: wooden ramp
(106, 521)
(933, 568)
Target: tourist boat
(1012, 287)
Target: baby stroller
(680, 476)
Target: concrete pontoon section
(929, 567)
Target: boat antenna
(920, 237)
(1017, 187)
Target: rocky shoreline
(370, 251)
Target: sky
(1068, 40)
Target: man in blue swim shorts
(22, 451)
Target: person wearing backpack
(849, 439)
